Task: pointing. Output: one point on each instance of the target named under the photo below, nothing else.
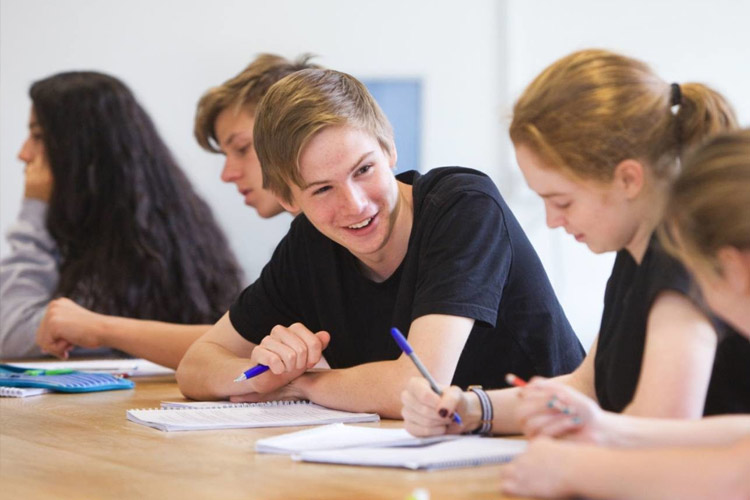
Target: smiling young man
(438, 255)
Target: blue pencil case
(14, 376)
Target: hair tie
(676, 96)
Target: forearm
(371, 387)
(505, 403)
(157, 341)
(665, 473)
(207, 372)
(627, 431)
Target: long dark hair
(134, 237)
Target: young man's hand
(288, 352)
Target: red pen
(514, 380)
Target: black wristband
(484, 400)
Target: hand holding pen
(551, 408)
(404, 345)
(287, 351)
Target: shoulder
(664, 271)
(443, 187)
(446, 181)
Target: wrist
(487, 413)
(302, 386)
(472, 416)
(105, 329)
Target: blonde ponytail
(592, 109)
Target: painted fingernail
(577, 420)
(443, 412)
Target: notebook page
(336, 436)
(276, 414)
(134, 367)
(468, 451)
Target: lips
(361, 224)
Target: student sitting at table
(223, 124)
(108, 221)
(706, 230)
(438, 255)
(597, 138)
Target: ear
(735, 268)
(630, 176)
(394, 156)
(289, 206)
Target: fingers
(59, 348)
(426, 413)
(291, 348)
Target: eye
(244, 149)
(364, 169)
(563, 206)
(321, 190)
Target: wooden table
(81, 446)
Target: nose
(25, 154)
(554, 217)
(353, 200)
(230, 172)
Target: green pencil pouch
(75, 381)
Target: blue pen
(252, 372)
(404, 345)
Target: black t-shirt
(631, 291)
(467, 256)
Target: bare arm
(212, 362)
(556, 469)
(217, 358)
(66, 324)
(438, 341)
(677, 361)
(421, 406)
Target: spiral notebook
(20, 376)
(21, 392)
(467, 451)
(244, 415)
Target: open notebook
(466, 451)
(337, 436)
(245, 415)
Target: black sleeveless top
(631, 291)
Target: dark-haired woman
(110, 227)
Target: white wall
(171, 51)
(683, 40)
(475, 58)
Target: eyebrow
(552, 195)
(356, 165)
(233, 136)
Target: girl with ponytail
(600, 138)
(706, 226)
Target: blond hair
(243, 91)
(592, 109)
(301, 105)
(709, 203)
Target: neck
(653, 210)
(382, 265)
